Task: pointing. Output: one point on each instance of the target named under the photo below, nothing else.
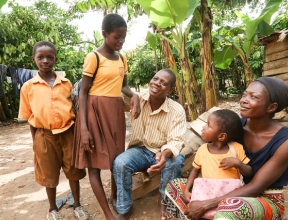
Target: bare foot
(163, 212)
(125, 216)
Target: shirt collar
(58, 79)
(164, 106)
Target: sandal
(79, 213)
(54, 215)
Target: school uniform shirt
(109, 77)
(46, 107)
(209, 163)
(160, 129)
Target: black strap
(121, 58)
(97, 67)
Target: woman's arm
(86, 139)
(134, 103)
(266, 175)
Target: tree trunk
(209, 76)
(248, 73)
(167, 52)
(190, 82)
(2, 114)
(247, 68)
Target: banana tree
(209, 74)
(106, 6)
(169, 15)
(241, 43)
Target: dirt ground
(22, 198)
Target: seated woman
(265, 143)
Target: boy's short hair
(112, 21)
(229, 123)
(44, 43)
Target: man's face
(160, 84)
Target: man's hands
(160, 165)
(161, 161)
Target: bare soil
(22, 198)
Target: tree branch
(83, 42)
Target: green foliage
(151, 39)
(241, 39)
(260, 24)
(24, 26)
(21, 28)
(2, 2)
(142, 66)
(133, 8)
(224, 56)
(281, 21)
(165, 13)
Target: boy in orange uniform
(45, 101)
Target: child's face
(116, 38)
(44, 58)
(210, 131)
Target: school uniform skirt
(106, 124)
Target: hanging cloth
(12, 72)
(3, 73)
(23, 75)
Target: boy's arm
(33, 131)
(193, 175)
(245, 169)
(230, 162)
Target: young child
(215, 159)
(100, 124)
(45, 101)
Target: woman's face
(255, 101)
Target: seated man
(155, 143)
